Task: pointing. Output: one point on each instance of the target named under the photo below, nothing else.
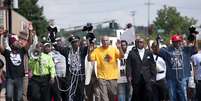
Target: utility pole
(148, 11)
(9, 8)
(133, 17)
(11, 4)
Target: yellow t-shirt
(107, 65)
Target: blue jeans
(177, 90)
(14, 89)
(123, 92)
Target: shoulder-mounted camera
(192, 33)
(90, 35)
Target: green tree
(171, 21)
(30, 10)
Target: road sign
(160, 30)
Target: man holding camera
(196, 58)
(75, 67)
(176, 56)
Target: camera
(192, 29)
(193, 33)
(90, 35)
(88, 27)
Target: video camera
(88, 27)
(193, 33)
(90, 35)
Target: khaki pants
(107, 89)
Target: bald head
(105, 41)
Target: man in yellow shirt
(107, 68)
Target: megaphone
(35, 54)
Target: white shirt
(160, 67)
(196, 58)
(89, 68)
(141, 52)
(122, 67)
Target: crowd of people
(83, 71)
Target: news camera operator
(177, 61)
(52, 31)
(191, 41)
(59, 88)
(75, 65)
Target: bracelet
(26, 75)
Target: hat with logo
(176, 38)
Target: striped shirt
(196, 58)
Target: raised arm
(91, 48)
(2, 49)
(121, 53)
(30, 39)
(2, 38)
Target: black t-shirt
(14, 63)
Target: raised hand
(2, 31)
(118, 44)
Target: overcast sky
(68, 13)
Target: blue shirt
(177, 61)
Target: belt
(161, 72)
(176, 68)
(39, 76)
(61, 75)
(199, 81)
